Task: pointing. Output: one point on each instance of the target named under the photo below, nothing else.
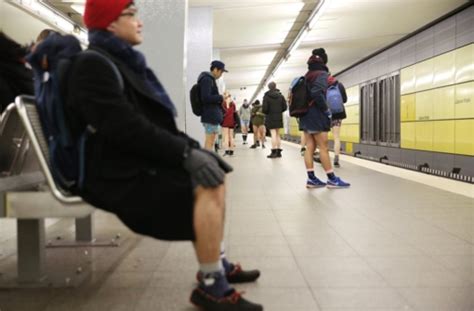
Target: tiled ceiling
(251, 33)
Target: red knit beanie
(99, 14)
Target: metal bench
(19, 195)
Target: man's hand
(222, 164)
(203, 168)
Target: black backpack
(298, 101)
(51, 64)
(195, 96)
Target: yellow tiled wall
(437, 103)
(464, 133)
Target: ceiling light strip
(308, 25)
(52, 17)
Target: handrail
(5, 115)
(26, 108)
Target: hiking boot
(314, 183)
(273, 155)
(337, 183)
(231, 302)
(237, 275)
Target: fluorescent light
(52, 17)
(312, 20)
(317, 14)
(79, 8)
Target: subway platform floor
(390, 242)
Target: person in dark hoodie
(15, 78)
(138, 165)
(316, 123)
(274, 104)
(212, 115)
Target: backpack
(195, 97)
(334, 99)
(51, 64)
(298, 101)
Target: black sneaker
(237, 275)
(254, 146)
(336, 164)
(231, 302)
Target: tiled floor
(387, 243)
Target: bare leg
(322, 142)
(255, 134)
(231, 138)
(303, 139)
(278, 138)
(209, 143)
(261, 130)
(274, 134)
(209, 223)
(336, 131)
(225, 138)
(308, 155)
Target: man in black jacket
(156, 179)
(212, 114)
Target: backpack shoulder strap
(101, 55)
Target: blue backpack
(51, 62)
(334, 99)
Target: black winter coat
(274, 104)
(211, 100)
(15, 79)
(134, 162)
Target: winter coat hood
(205, 74)
(273, 93)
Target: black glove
(203, 168)
(222, 164)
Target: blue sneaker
(315, 183)
(337, 183)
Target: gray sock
(209, 268)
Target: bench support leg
(85, 229)
(31, 251)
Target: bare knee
(211, 198)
